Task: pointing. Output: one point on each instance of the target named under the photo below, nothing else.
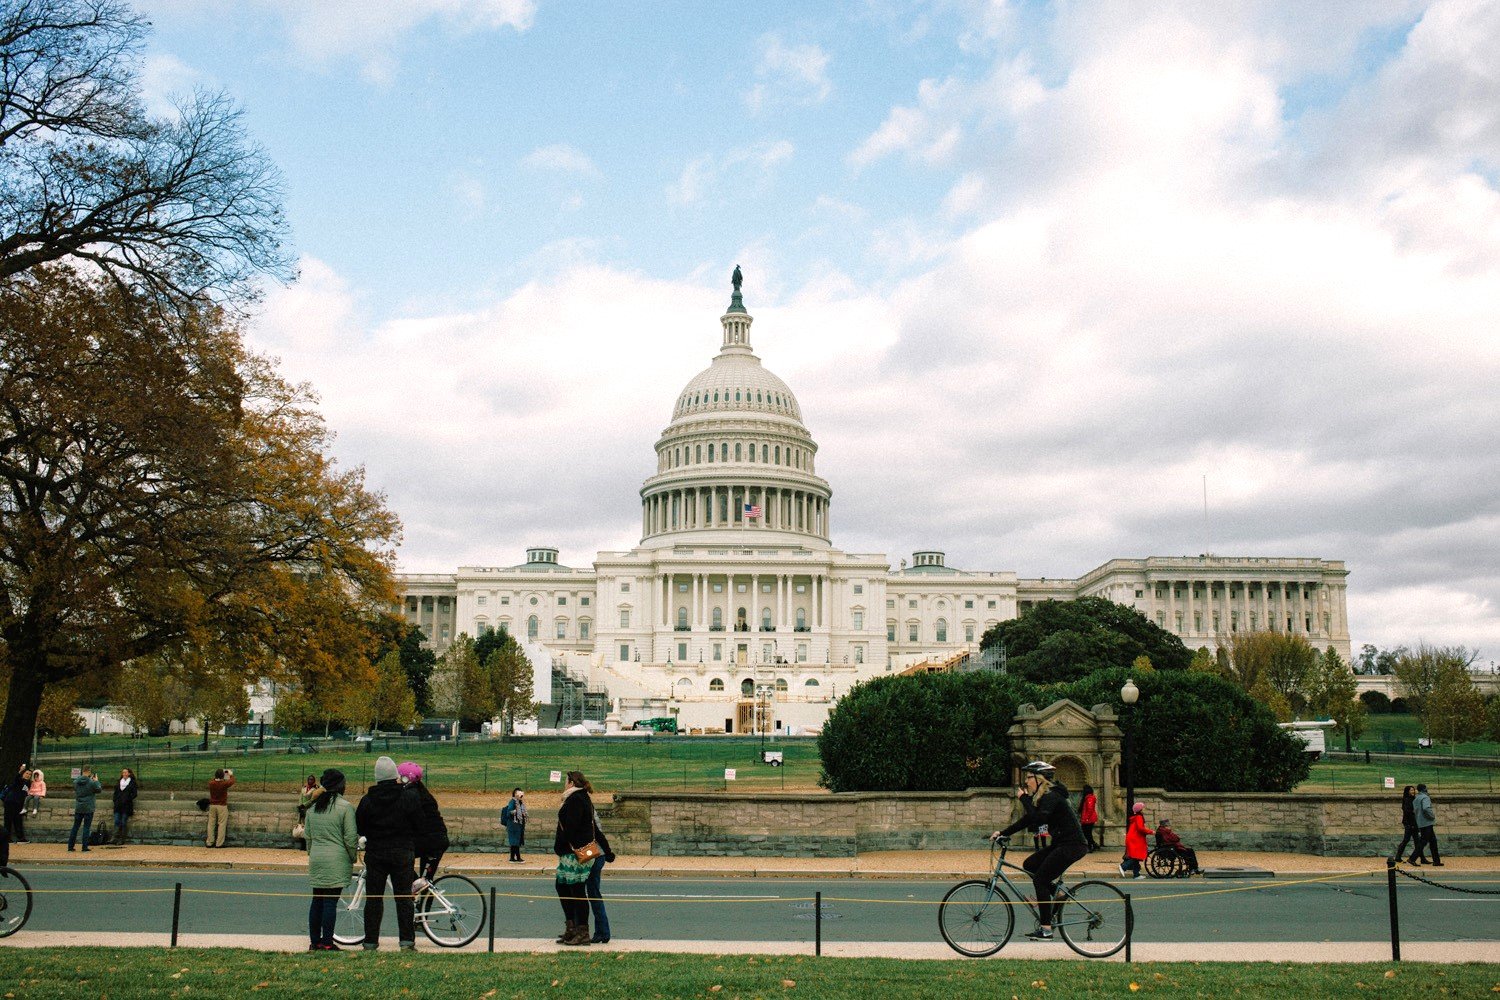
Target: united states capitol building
(736, 607)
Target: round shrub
(1376, 702)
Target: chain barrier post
(176, 911)
(1390, 889)
(818, 923)
(492, 919)
(1129, 925)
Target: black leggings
(1415, 839)
(1046, 867)
(575, 904)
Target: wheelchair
(1165, 862)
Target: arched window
(698, 453)
(781, 685)
(682, 622)
(684, 683)
(738, 452)
(802, 618)
(719, 619)
(717, 684)
(765, 619)
(778, 454)
(747, 687)
(531, 627)
(740, 621)
(710, 453)
(812, 682)
(763, 453)
(751, 454)
(942, 630)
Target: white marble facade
(716, 604)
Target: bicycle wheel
(349, 922)
(975, 920)
(452, 913)
(1092, 919)
(15, 901)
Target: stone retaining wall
(844, 825)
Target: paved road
(741, 909)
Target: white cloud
(756, 164)
(561, 158)
(789, 74)
(165, 81)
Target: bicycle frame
(1060, 892)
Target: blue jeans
(122, 820)
(322, 914)
(596, 899)
(87, 820)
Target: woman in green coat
(332, 847)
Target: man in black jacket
(388, 818)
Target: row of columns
(1271, 606)
(700, 599)
(723, 506)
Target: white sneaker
(1123, 872)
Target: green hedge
(947, 732)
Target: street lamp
(1129, 694)
(764, 691)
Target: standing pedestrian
(1135, 843)
(592, 885)
(513, 818)
(1421, 808)
(332, 848)
(575, 829)
(37, 792)
(124, 802)
(432, 833)
(218, 807)
(13, 796)
(1409, 828)
(85, 787)
(388, 818)
(1088, 816)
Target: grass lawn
(1393, 733)
(156, 972)
(616, 765)
(1341, 776)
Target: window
(717, 684)
(942, 630)
(859, 588)
(992, 604)
(1139, 593)
(767, 652)
(911, 604)
(802, 618)
(562, 602)
(562, 628)
(859, 621)
(747, 687)
(890, 605)
(624, 651)
(684, 683)
(625, 618)
(719, 655)
(710, 453)
(890, 630)
(481, 601)
(763, 452)
(765, 588)
(968, 604)
(765, 619)
(682, 622)
(812, 682)
(859, 652)
(624, 588)
(968, 633)
(912, 631)
(801, 652)
(682, 651)
(739, 452)
(739, 588)
(533, 602)
(718, 619)
(718, 588)
(781, 685)
(583, 629)
(582, 600)
(682, 588)
(531, 627)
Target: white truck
(1311, 734)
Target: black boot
(567, 934)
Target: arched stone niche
(1082, 743)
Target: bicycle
(15, 901)
(450, 910)
(976, 916)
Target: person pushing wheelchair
(1044, 801)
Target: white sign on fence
(729, 774)
(556, 775)
(1390, 782)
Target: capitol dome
(736, 456)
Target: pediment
(1061, 714)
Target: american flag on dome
(752, 510)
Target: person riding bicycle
(432, 832)
(1044, 801)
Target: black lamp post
(1129, 694)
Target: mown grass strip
(74, 973)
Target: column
(754, 603)
(1187, 622)
(1171, 605)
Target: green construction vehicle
(667, 725)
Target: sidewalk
(889, 864)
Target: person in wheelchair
(1167, 840)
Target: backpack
(99, 836)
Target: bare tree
(186, 205)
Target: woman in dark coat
(575, 829)
(1409, 828)
(432, 832)
(14, 794)
(124, 796)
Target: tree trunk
(23, 702)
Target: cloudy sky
(1033, 270)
